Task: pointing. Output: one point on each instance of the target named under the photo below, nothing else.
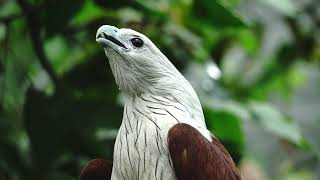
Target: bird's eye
(137, 42)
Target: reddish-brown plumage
(196, 158)
(97, 169)
(193, 157)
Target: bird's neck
(185, 105)
(163, 112)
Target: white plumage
(157, 97)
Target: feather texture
(196, 158)
(157, 98)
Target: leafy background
(253, 63)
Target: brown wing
(196, 158)
(97, 169)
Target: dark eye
(137, 42)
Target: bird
(163, 134)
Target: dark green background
(60, 107)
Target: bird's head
(137, 64)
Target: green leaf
(232, 107)
(297, 174)
(160, 6)
(230, 3)
(18, 63)
(88, 12)
(8, 8)
(227, 128)
(215, 14)
(64, 57)
(248, 40)
(272, 120)
(150, 11)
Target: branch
(35, 31)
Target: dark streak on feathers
(148, 118)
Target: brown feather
(196, 158)
(97, 169)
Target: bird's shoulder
(195, 157)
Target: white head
(140, 67)
(137, 64)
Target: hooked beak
(106, 37)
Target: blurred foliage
(60, 106)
